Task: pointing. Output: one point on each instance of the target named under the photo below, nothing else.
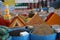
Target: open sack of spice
(43, 29)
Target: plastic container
(45, 8)
(19, 37)
(26, 37)
(58, 35)
(10, 38)
(41, 37)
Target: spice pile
(43, 29)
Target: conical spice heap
(17, 21)
(36, 19)
(43, 29)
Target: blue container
(58, 35)
(12, 29)
(41, 37)
(26, 37)
(10, 38)
(45, 8)
(22, 37)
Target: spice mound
(43, 29)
